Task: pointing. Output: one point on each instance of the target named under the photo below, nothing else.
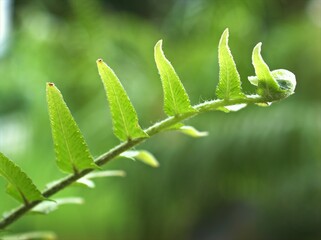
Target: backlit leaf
(232, 108)
(20, 185)
(191, 131)
(141, 155)
(31, 236)
(108, 173)
(50, 206)
(229, 86)
(267, 85)
(124, 116)
(86, 180)
(235, 107)
(176, 100)
(72, 153)
(285, 79)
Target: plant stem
(158, 127)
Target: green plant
(72, 152)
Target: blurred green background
(256, 176)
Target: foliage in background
(240, 184)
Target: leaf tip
(159, 43)
(159, 47)
(155, 165)
(224, 37)
(50, 87)
(226, 31)
(99, 60)
(258, 47)
(100, 63)
(256, 55)
(192, 132)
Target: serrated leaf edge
(174, 110)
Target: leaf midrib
(264, 71)
(170, 88)
(119, 107)
(64, 137)
(224, 59)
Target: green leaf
(223, 109)
(72, 153)
(268, 86)
(124, 116)
(48, 207)
(229, 86)
(20, 185)
(235, 107)
(86, 180)
(191, 131)
(109, 173)
(31, 236)
(285, 79)
(141, 155)
(232, 108)
(176, 100)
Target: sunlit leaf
(20, 185)
(191, 131)
(141, 155)
(236, 107)
(229, 86)
(72, 153)
(223, 109)
(267, 85)
(31, 236)
(108, 173)
(85, 183)
(50, 206)
(232, 108)
(285, 79)
(124, 116)
(176, 100)
(86, 180)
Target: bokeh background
(256, 176)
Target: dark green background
(256, 176)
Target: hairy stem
(158, 127)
